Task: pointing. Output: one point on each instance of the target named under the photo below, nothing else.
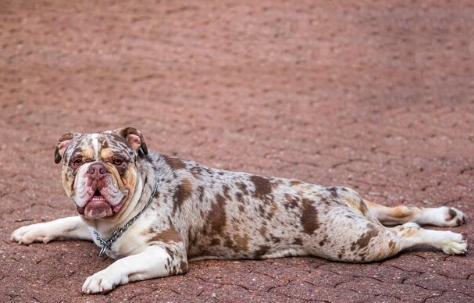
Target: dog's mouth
(98, 207)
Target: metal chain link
(107, 243)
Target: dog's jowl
(155, 213)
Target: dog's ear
(134, 139)
(63, 143)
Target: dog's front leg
(154, 262)
(65, 228)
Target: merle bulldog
(156, 213)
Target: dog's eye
(76, 162)
(117, 161)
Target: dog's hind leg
(375, 242)
(350, 237)
(439, 216)
(411, 234)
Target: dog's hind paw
(455, 244)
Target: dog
(156, 213)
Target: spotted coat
(197, 212)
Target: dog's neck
(106, 243)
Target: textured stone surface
(377, 96)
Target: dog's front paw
(31, 233)
(102, 282)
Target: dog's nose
(96, 171)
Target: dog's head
(99, 169)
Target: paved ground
(378, 96)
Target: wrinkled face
(99, 173)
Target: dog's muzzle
(102, 198)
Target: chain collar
(107, 243)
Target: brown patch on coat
(169, 235)
(298, 241)
(184, 266)
(356, 203)
(196, 172)
(364, 240)
(263, 231)
(309, 217)
(236, 223)
(87, 152)
(273, 210)
(175, 163)
(170, 253)
(341, 254)
(200, 190)
(191, 237)
(263, 187)
(240, 197)
(402, 212)
(363, 207)
(292, 202)
(182, 193)
(261, 251)
(242, 187)
(409, 231)
(323, 241)
(261, 210)
(275, 240)
(241, 243)
(325, 200)
(229, 243)
(106, 154)
(295, 182)
(359, 205)
(391, 246)
(215, 242)
(225, 190)
(217, 216)
(333, 191)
